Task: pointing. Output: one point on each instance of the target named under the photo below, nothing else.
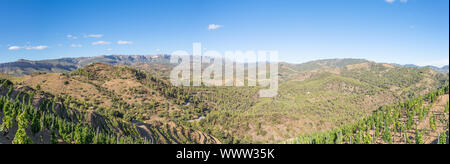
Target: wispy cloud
(37, 48)
(101, 43)
(28, 47)
(14, 48)
(121, 42)
(214, 26)
(392, 1)
(70, 36)
(76, 45)
(94, 36)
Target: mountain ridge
(23, 67)
(443, 69)
(65, 65)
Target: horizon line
(280, 61)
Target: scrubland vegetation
(327, 101)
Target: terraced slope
(111, 88)
(173, 134)
(98, 120)
(422, 120)
(319, 96)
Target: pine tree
(35, 123)
(446, 108)
(53, 138)
(387, 136)
(410, 121)
(21, 135)
(443, 138)
(433, 123)
(419, 137)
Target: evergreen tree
(433, 123)
(387, 136)
(53, 138)
(419, 137)
(35, 123)
(443, 138)
(21, 135)
(446, 108)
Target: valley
(129, 99)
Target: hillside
(421, 120)
(313, 97)
(116, 106)
(320, 95)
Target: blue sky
(393, 31)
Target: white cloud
(214, 27)
(76, 45)
(28, 48)
(14, 48)
(101, 43)
(37, 48)
(121, 42)
(71, 36)
(109, 49)
(392, 1)
(93, 36)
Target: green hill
(421, 120)
(84, 108)
(134, 90)
(315, 99)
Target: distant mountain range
(64, 65)
(444, 69)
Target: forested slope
(32, 116)
(313, 97)
(422, 120)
